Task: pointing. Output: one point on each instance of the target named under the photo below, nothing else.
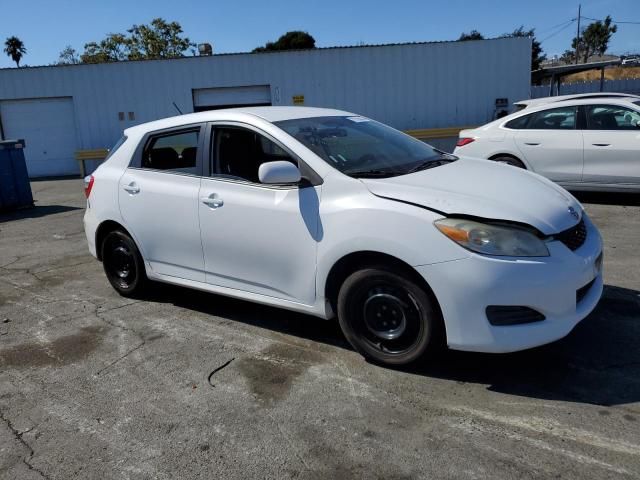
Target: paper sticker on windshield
(359, 119)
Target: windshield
(360, 147)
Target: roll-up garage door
(229, 97)
(47, 126)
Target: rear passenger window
(173, 151)
(563, 118)
(518, 123)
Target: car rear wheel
(387, 317)
(123, 264)
(510, 161)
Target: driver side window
(612, 117)
(239, 152)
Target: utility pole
(578, 36)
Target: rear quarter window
(518, 123)
(117, 145)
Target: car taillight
(464, 141)
(88, 185)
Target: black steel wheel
(387, 317)
(123, 264)
(514, 162)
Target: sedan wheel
(123, 264)
(514, 162)
(387, 317)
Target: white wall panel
(48, 128)
(204, 97)
(409, 86)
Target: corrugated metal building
(62, 109)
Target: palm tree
(15, 49)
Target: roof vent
(205, 49)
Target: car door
(552, 145)
(257, 238)
(158, 196)
(612, 145)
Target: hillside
(612, 73)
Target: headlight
(492, 239)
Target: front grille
(573, 237)
(501, 315)
(582, 292)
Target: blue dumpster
(15, 189)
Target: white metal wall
(49, 130)
(409, 86)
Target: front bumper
(465, 288)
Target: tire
(123, 264)
(514, 162)
(388, 318)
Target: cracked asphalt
(185, 384)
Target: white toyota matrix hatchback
(330, 213)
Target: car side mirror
(278, 172)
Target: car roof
(560, 98)
(269, 114)
(621, 101)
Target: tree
(114, 48)
(14, 48)
(597, 35)
(595, 38)
(537, 56)
(159, 39)
(472, 35)
(568, 57)
(582, 48)
(68, 56)
(295, 40)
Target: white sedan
(582, 144)
(326, 212)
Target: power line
(612, 21)
(565, 26)
(556, 26)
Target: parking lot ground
(185, 384)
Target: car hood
(487, 190)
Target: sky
(47, 26)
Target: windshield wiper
(373, 173)
(427, 164)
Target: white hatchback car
(582, 144)
(326, 212)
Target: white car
(583, 144)
(536, 102)
(326, 212)
(633, 60)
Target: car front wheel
(387, 317)
(123, 264)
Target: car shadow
(250, 313)
(601, 198)
(35, 212)
(598, 363)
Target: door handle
(601, 144)
(213, 201)
(132, 188)
(533, 144)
